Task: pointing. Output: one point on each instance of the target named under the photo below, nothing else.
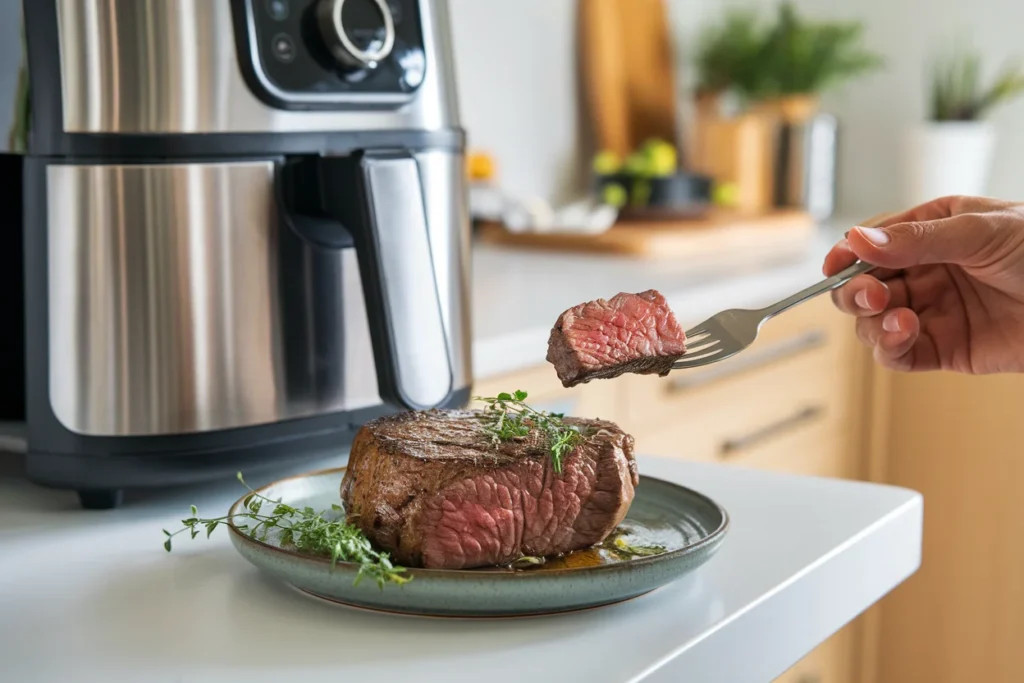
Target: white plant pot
(949, 158)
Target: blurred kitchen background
(517, 69)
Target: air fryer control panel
(328, 53)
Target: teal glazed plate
(688, 525)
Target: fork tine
(700, 336)
(697, 359)
(706, 343)
(700, 355)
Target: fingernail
(877, 237)
(861, 299)
(891, 322)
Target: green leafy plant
(17, 139)
(729, 54)
(957, 93)
(325, 534)
(788, 56)
(507, 417)
(802, 57)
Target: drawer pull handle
(731, 446)
(791, 346)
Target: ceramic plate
(688, 525)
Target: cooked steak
(433, 489)
(603, 339)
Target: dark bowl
(680, 195)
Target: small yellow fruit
(637, 164)
(662, 160)
(480, 167)
(607, 163)
(725, 194)
(614, 194)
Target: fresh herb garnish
(507, 417)
(617, 545)
(326, 534)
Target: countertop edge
(807, 605)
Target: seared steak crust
(433, 489)
(601, 339)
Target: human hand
(948, 293)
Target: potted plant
(776, 69)
(728, 58)
(729, 143)
(801, 59)
(781, 66)
(951, 152)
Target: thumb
(963, 240)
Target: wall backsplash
(516, 68)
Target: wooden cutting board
(626, 69)
(722, 236)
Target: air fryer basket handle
(378, 197)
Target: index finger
(840, 256)
(937, 209)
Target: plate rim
(712, 538)
(469, 616)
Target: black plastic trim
(43, 48)
(12, 292)
(139, 147)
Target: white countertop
(92, 596)
(518, 294)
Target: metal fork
(727, 333)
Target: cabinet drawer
(830, 662)
(809, 441)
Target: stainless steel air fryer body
(245, 232)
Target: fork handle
(826, 285)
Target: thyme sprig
(325, 534)
(507, 417)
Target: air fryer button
(277, 9)
(413, 65)
(283, 48)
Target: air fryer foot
(106, 499)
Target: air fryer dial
(331, 19)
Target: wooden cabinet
(958, 440)
(793, 402)
(831, 662)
